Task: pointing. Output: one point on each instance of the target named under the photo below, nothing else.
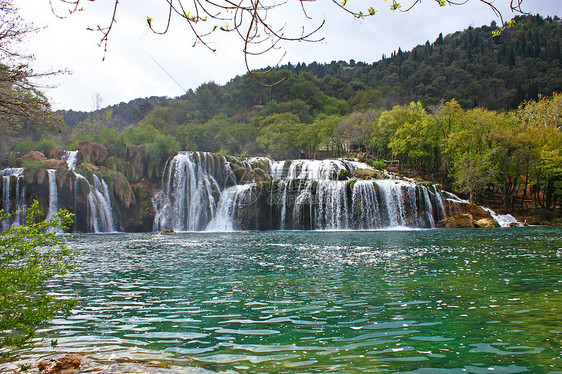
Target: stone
(63, 364)
(367, 174)
(92, 152)
(485, 223)
(456, 222)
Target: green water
(431, 301)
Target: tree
(30, 254)
(20, 97)
(542, 130)
(279, 133)
(416, 141)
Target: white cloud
(129, 70)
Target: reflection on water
(476, 301)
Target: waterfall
(7, 174)
(428, 205)
(231, 203)
(71, 158)
(100, 213)
(366, 205)
(191, 188)
(53, 194)
(313, 169)
(440, 205)
(331, 205)
(391, 192)
(202, 191)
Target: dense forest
(475, 111)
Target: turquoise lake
(420, 301)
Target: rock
(34, 155)
(51, 163)
(168, 232)
(344, 175)
(64, 364)
(92, 152)
(475, 211)
(485, 223)
(457, 222)
(367, 174)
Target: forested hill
(473, 66)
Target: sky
(139, 63)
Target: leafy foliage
(30, 254)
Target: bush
(29, 255)
(379, 164)
(28, 145)
(162, 146)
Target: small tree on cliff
(30, 254)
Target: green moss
(344, 175)
(32, 165)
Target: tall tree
(21, 101)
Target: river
(420, 301)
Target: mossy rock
(262, 175)
(367, 174)
(344, 175)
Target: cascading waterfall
(100, 214)
(331, 205)
(191, 189)
(230, 204)
(304, 194)
(99, 203)
(71, 158)
(7, 174)
(53, 193)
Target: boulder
(64, 364)
(51, 163)
(457, 222)
(92, 152)
(486, 223)
(367, 174)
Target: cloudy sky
(139, 63)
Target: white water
(304, 194)
(190, 192)
(504, 220)
(19, 195)
(100, 212)
(71, 158)
(53, 193)
(230, 202)
(313, 169)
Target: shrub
(29, 255)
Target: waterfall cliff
(200, 191)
